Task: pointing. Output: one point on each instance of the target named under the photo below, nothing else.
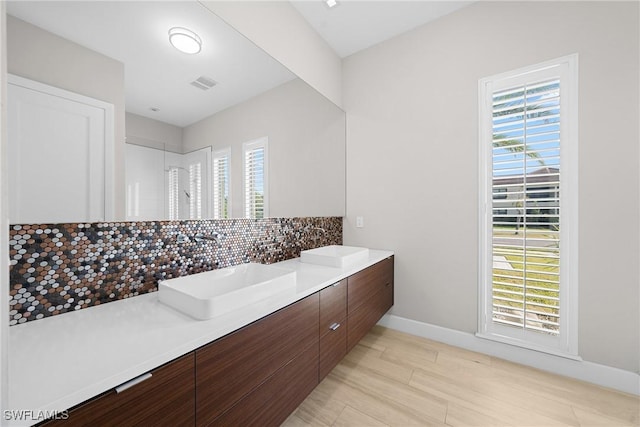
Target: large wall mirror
(224, 133)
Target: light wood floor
(395, 379)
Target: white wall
(412, 158)
(4, 215)
(44, 57)
(279, 29)
(306, 148)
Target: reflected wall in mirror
(118, 52)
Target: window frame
(565, 344)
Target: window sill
(529, 346)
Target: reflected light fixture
(185, 40)
(331, 3)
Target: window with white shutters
(528, 215)
(173, 188)
(195, 191)
(255, 178)
(221, 196)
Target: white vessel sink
(212, 293)
(335, 255)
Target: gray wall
(153, 133)
(412, 158)
(44, 57)
(306, 148)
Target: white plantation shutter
(195, 191)
(173, 189)
(221, 196)
(255, 179)
(528, 219)
(526, 167)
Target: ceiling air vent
(204, 83)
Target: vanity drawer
(166, 398)
(333, 347)
(333, 305)
(233, 366)
(368, 282)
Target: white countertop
(60, 361)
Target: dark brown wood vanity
(257, 375)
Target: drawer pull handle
(131, 383)
(334, 326)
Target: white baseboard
(606, 376)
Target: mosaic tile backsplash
(56, 268)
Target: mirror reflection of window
(173, 189)
(256, 179)
(195, 191)
(221, 184)
(197, 170)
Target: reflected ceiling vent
(204, 83)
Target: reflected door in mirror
(58, 146)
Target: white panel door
(57, 152)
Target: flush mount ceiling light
(331, 3)
(185, 40)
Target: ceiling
(354, 25)
(156, 74)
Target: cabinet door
(370, 296)
(333, 305)
(166, 398)
(333, 347)
(364, 318)
(333, 328)
(272, 402)
(230, 368)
